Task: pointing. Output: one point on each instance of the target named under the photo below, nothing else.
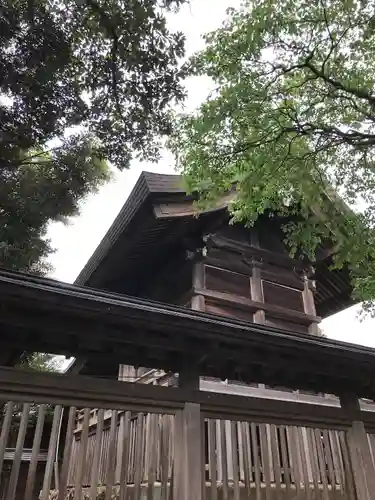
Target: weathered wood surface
(242, 459)
(222, 448)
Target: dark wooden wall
(239, 272)
(248, 274)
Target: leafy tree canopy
(40, 361)
(106, 69)
(109, 65)
(291, 122)
(44, 187)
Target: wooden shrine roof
(44, 315)
(155, 218)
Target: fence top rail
(17, 385)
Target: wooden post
(359, 450)
(256, 287)
(188, 473)
(198, 282)
(309, 304)
(257, 292)
(188, 379)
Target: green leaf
(292, 121)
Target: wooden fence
(239, 457)
(112, 440)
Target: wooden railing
(145, 439)
(174, 444)
(238, 456)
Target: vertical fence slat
(91, 443)
(292, 437)
(254, 441)
(301, 450)
(34, 453)
(265, 459)
(147, 448)
(234, 440)
(179, 458)
(138, 456)
(321, 461)
(192, 425)
(205, 439)
(5, 432)
(96, 457)
(339, 468)
(229, 450)
(219, 457)
(164, 457)
(313, 458)
(159, 440)
(171, 458)
(126, 473)
(337, 461)
(125, 456)
(224, 459)
(212, 457)
(275, 457)
(51, 453)
(269, 454)
(329, 461)
(240, 453)
(105, 448)
(134, 447)
(82, 454)
(246, 456)
(285, 458)
(67, 453)
(372, 445)
(18, 451)
(348, 471)
(120, 441)
(306, 446)
(111, 459)
(151, 473)
(73, 457)
(289, 440)
(132, 471)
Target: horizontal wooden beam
(258, 253)
(188, 208)
(243, 302)
(18, 385)
(86, 392)
(75, 321)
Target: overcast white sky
(75, 243)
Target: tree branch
(322, 3)
(107, 22)
(360, 93)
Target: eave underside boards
(131, 269)
(99, 258)
(46, 316)
(333, 290)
